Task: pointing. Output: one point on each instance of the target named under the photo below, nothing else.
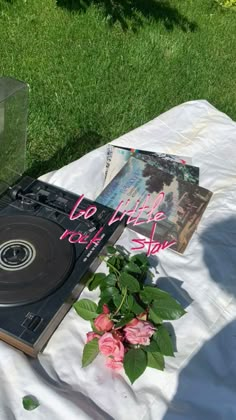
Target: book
(118, 156)
(139, 184)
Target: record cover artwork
(181, 171)
(117, 157)
(183, 205)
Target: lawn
(96, 73)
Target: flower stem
(121, 303)
(110, 265)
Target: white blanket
(199, 383)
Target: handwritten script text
(133, 216)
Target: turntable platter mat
(33, 260)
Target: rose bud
(105, 309)
(91, 335)
(103, 323)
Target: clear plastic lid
(13, 125)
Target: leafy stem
(110, 265)
(121, 303)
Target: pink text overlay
(134, 217)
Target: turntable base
(40, 275)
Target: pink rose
(103, 323)
(117, 334)
(114, 364)
(91, 335)
(111, 346)
(139, 332)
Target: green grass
(95, 75)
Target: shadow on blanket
(207, 386)
(86, 404)
(133, 13)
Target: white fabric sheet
(199, 383)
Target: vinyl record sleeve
(183, 205)
(117, 157)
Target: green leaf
(112, 262)
(130, 302)
(86, 309)
(151, 274)
(156, 361)
(116, 261)
(90, 280)
(140, 259)
(119, 262)
(153, 347)
(126, 280)
(109, 292)
(30, 402)
(143, 298)
(154, 317)
(96, 280)
(136, 308)
(144, 270)
(163, 340)
(117, 300)
(167, 308)
(111, 249)
(150, 293)
(106, 299)
(124, 321)
(91, 351)
(109, 280)
(164, 305)
(132, 267)
(135, 363)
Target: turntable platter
(33, 261)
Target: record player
(41, 275)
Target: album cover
(181, 171)
(118, 156)
(183, 202)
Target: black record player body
(41, 275)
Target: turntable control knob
(15, 191)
